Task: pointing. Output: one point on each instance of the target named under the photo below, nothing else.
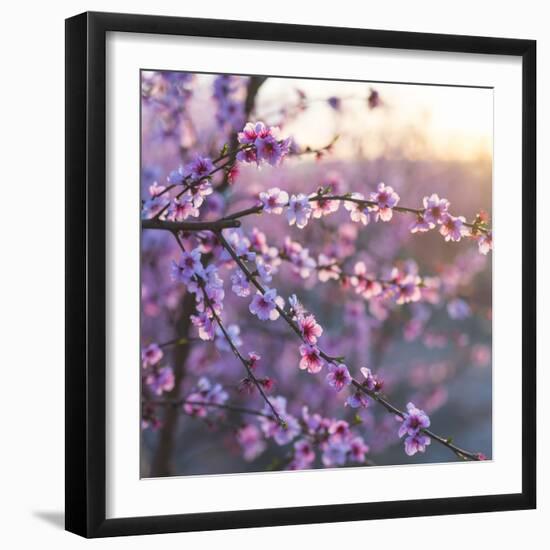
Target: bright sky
(416, 121)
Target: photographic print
(316, 274)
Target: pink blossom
(485, 243)
(310, 329)
(194, 405)
(271, 428)
(304, 454)
(435, 209)
(205, 325)
(177, 177)
(208, 284)
(155, 189)
(416, 443)
(366, 286)
(358, 212)
(266, 146)
(299, 210)
(481, 355)
(151, 355)
(273, 200)
(372, 381)
(250, 439)
(269, 150)
(251, 131)
(205, 393)
(247, 156)
(431, 289)
(296, 307)
(408, 289)
(200, 190)
(240, 286)
(258, 241)
(303, 263)
(264, 271)
(323, 206)
(420, 225)
(386, 198)
(180, 209)
(161, 380)
(414, 420)
(188, 266)
(265, 305)
(358, 449)
(335, 453)
(327, 268)
(200, 167)
(452, 228)
(153, 206)
(311, 358)
(314, 422)
(338, 376)
(253, 359)
(339, 430)
(357, 400)
(241, 243)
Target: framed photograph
(300, 274)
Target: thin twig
(239, 355)
(394, 410)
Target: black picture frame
(86, 273)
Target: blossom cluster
(206, 394)
(334, 438)
(207, 286)
(196, 174)
(249, 383)
(265, 305)
(414, 420)
(311, 432)
(452, 228)
(372, 382)
(379, 206)
(402, 285)
(261, 144)
(157, 202)
(312, 436)
(158, 379)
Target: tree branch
(228, 407)
(364, 202)
(374, 395)
(215, 225)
